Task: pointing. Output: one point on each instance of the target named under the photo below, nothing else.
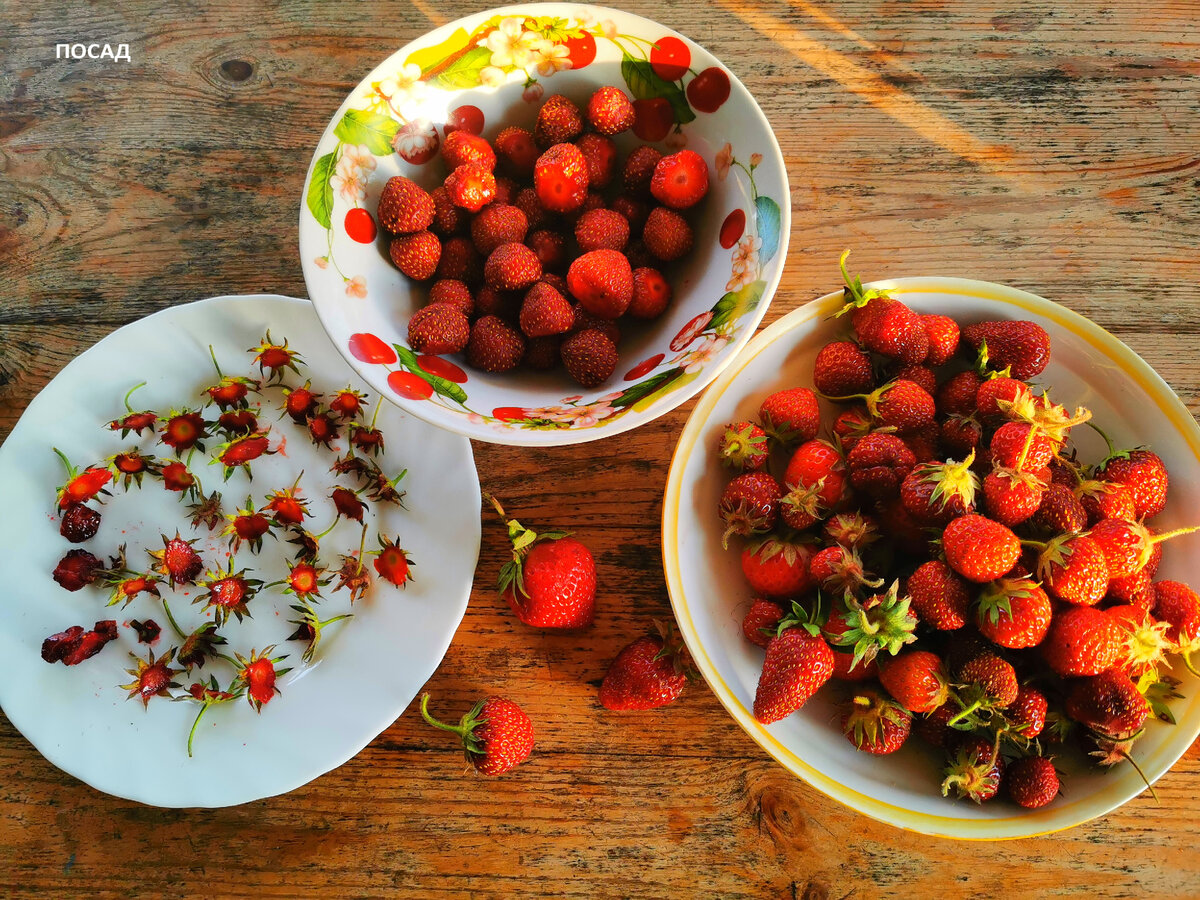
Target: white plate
(367, 669)
(1088, 367)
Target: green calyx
(741, 445)
(997, 596)
(950, 480)
(811, 620)
(870, 711)
(465, 729)
(512, 573)
(674, 650)
(856, 295)
(884, 622)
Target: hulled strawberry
(743, 447)
(979, 549)
(152, 677)
(550, 582)
(496, 734)
(648, 673)
(749, 505)
(875, 724)
(277, 358)
(680, 180)
(1022, 347)
(777, 566)
(178, 560)
(81, 487)
(939, 596)
(560, 177)
(916, 679)
(882, 323)
(1013, 612)
(815, 483)
(790, 416)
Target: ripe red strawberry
(1144, 641)
(1081, 641)
(842, 368)
(1008, 447)
(178, 560)
(1136, 590)
(1128, 546)
(494, 346)
(392, 563)
(925, 443)
(921, 376)
(1027, 714)
(846, 669)
(77, 570)
(853, 529)
(935, 493)
(602, 282)
(900, 404)
(1022, 347)
(589, 357)
(558, 121)
(777, 567)
(516, 151)
(879, 463)
(550, 582)
(791, 416)
(1143, 473)
(545, 311)
(600, 154)
(761, 621)
(81, 486)
(634, 211)
(560, 178)
(551, 250)
(648, 673)
(852, 425)
(438, 328)
(471, 186)
(743, 447)
(666, 234)
(943, 339)
(1179, 606)
(680, 180)
(496, 734)
(995, 397)
(601, 229)
(416, 255)
(916, 679)
(939, 596)
(838, 569)
(749, 505)
(1072, 568)
(1105, 500)
(1011, 496)
(639, 170)
(974, 771)
(797, 664)
(496, 224)
(462, 147)
(1032, 782)
(79, 523)
(404, 206)
(491, 302)
(1059, 512)
(979, 549)
(960, 436)
(610, 111)
(1013, 612)
(816, 473)
(956, 395)
(460, 261)
(875, 724)
(882, 323)
(512, 267)
(1108, 703)
(452, 292)
(988, 681)
(651, 294)
(448, 219)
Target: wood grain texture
(1052, 146)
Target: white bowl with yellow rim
(1088, 367)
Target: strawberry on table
(496, 734)
(648, 673)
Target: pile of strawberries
(233, 412)
(539, 242)
(946, 557)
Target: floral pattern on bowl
(487, 71)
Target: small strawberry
(667, 235)
(589, 356)
(1109, 704)
(916, 679)
(998, 396)
(438, 329)
(152, 677)
(777, 567)
(1105, 500)
(1136, 589)
(1081, 641)
(79, 523)
(462, 147)
(1144, 640)
(392, 563)
(853, 529)
(680, 180)
(1179, 606)
(452, 292)
(875, 724)
(935, 493)
(797, 664)
(815, 481)
(276, 357)
(404, 206)
(749, 505)
(81, 486)
(550, 582)
(1026, 715)
(956, 396)
(648, 673)
(545, 312)
(494, 346)
(134, 420)
(979, 549)
(601, 229)
(602, 282)
(987, 682)
(1072, 568)
(178, 560)
(743, 447)
(939, 596)
(558, 120)
(512, 267)
(974, 771)
(516, 151)
(1032, 782)
(884, 324)
(257, 676)
(838, 570)
(921, 376)
(610, 111)
(639, 170)
(1022, 347)
(932, 727)
(878, 464)
(1017, 445)
(943, 338)
(960, 435)
(1013, 612)
(1128, 546)
(471, 187)
(761, 621)
(77, 570)
(227, 593)
(496, 734)
(600, 153)
(1011, 496)
(560, 178)
(791, 416)
(1143, 473)
(460, 261)
(416, 255)
(496, 224)
(925, 443)
(842, 368)
(1059, 512)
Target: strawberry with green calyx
(309, 628)
(1159, 692)
(136, 421)
(1082, 640)
(177, 478)
(916, 679)
(761, 621)
(257, 676)
(152, 677)
(239, 422)
(1025, 718)
(207, 511)
(986, 682)
(797, 664)
(852, 425)
(1128, 546)
(1141, 471)
(550, 582)
(980, 549)
(178, 560)
(81, 486)
(392, 563)
(1013, 612)
(353, 575)
(182, 430)
(1012, 496)
(347, 403)
(790, 416)
(276, 357)
(974, 770)
(882, 622)
(230, 391)
(207, 695)
(227, 593)
(938, 492)
(649, 672)
(840, 570)
(300, 403)
(883, 324)
(1072, 567)
(1145, 642)
(130, 465)
(743, 447)
(852, 529)
(939, 596)
(1105, 500)
(247, 525)
(1179, 606)
(240, 453)
(1110, 705)
(875, 724)
(749, 505)
(496, 734)
(778, 565)
(900, 404)
(1022, 347)
(814, 483)
(286, 505)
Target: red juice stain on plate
(282, 448)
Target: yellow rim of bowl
(1030, 824)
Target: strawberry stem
(963, 713)
(1025, 450)
(1170, 534)
(66, 462)
(1107, 440)
(212, 353)
(454, 729)
(171, 619)
(378, 406)
(129, 394)
(192, 734)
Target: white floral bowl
(1088, 367)
(485, 72)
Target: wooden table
(1052, 146)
